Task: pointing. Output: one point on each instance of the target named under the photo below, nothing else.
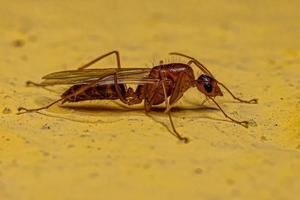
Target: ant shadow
(118, 108)
(178, 110)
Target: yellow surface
(104, 151)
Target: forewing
(99, 75)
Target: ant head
(208, 86)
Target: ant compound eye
(208, 87)
(203, 77)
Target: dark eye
(208, 87)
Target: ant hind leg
(101, 57)
(22, 110)
(31, 83)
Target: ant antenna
(196, 62)
(251, 101)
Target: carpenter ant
(163, 83)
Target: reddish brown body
(153, 94)
(163, 83)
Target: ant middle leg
(131, 96)
(118, 89)
(101, 57)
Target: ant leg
(118, 89)
(80, 91)
(182, 84)
(103, 56)
(253, 101)
(123, 97)
(168, 111)
(148, 102)
(31, 83)
(23, 110)
(242, 123)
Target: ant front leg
(101, 57)
(168, 111)
(251, 101)
(148, 102)
(242, 123)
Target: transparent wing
(102, 76)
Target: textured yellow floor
(103, 150)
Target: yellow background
(105, 151)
